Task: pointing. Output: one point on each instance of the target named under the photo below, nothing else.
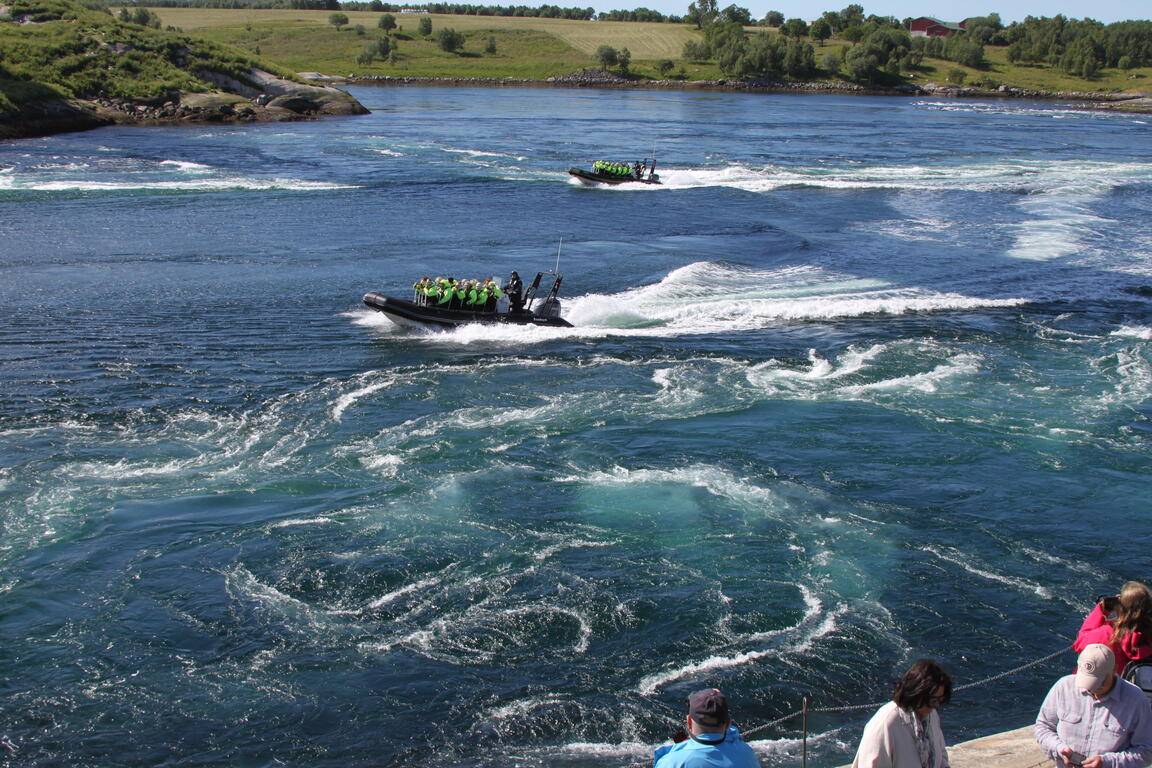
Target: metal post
(804, 759)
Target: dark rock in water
(1140, 290)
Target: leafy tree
(965, 51)
(425, 27)
(956, 76)
(360, 31)
(490, 48)
(799, 59)
(863, 62)
(851, 15)
(607, 56)
(985, 30)
(624, 59)
(728, 44)
(702, 13)
(831, 62)
(142, 16)
(854, 33)
(794, 28)
(450, 40)
(760, 56)
(737, 15)
(376, 6)
(338, 20)
(384, 47)
(773, 19)
(696, 50)
(387, 22)
(664, 66)
(820, 30)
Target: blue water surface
(864, 380)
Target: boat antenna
(558, 247)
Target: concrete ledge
(1011, 749)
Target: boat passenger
(494, 289)
(515, 290)
(459, 295)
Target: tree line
(881, 50)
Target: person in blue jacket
(712, 741)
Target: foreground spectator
(905, 732)
(1123, 623)
(711, 740)
(1094, 719)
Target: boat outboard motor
(550, 307)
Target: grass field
(535, 48)
(525, 47)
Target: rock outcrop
(263, 98)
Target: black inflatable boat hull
(415, 315)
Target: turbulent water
(864, 380)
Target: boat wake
(710, 297)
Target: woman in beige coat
(905, 732)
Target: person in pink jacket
(1123, 623)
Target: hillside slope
(64, 66)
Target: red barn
(926, 26)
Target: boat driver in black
(515, 290)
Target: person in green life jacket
(460, 294)
(494, 294)
(418, 290)
(431, 291)
(447, 291)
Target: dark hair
(919, 684)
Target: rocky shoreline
(596, 78)
(270, 99)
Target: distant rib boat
(617, 173)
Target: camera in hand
(1108, 603)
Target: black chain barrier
(805, 709)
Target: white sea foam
(1134, 332)
(186, 185)
(403, 591)
(477, 153)
(800, 645)
(956, 557)
(1004, 175)
(712, 479)
(346, 400)
(183, 165)
(302, 521)
(962, 365)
